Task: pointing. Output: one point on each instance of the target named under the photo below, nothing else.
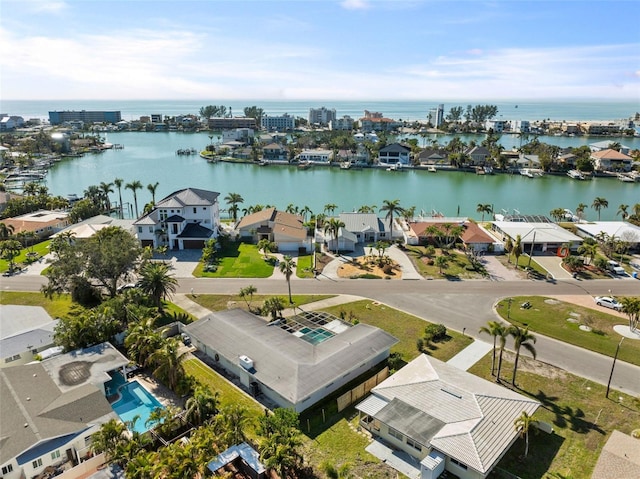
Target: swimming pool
(315, 336)
(135, 401)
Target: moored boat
(575, 174)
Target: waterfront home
(441, 418)
(50, 409)
(316, 156)
(295, 362)
(432, 156)
(9, 123)
(606, 144)
(611, 160)
(185, 219)
(528, 161)
(394, 153)
(362, 137)
(287, 230)
(242, 135)
(42, 223)
(478, 155)
(537, 237)
(359, 229)
(274, 152)
(26, 331)
(87, 228)
(620, 230)
(473, 236)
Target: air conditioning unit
(246, 362)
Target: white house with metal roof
(360, 229)
(50, 409)
(443, 418)
(537, 237)
(620, 230)
(26, 331)
(295, 362)
(185, 219)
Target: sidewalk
(184, 301)
(323, 303)
(470, 355)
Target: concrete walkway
(323, 303)
(470, 355)
(185, 302)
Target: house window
(55, 454)
(87, 440)
(7, 469)
(397, 434)
(139, 229)
(414, 444)
(195, 210)
(458, 463)
(174, 229)
(150, 229)
(37, 463)
(12, 358)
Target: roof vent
(246, 362)
(451, 393)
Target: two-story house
(185, 219)
(394, 154)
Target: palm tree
(168, 363)
(329, 208)
(273, 306)
(441, 262)
(231, 423)
(6, 231)
(523, 424)
(501, 334)
(484, 208)
(598, 204)
(589, 250)
(142, 340)
(631, 307)
(156, 281)
(287, 266)
(557, 214)
(522, 338)
(234, 199)
(118, 183)
(9, 250)
(249, 291)
(332, 226)
(622, 211)
(152, 189)
(392, 207)
(108, 437)
(134, 186)
(202, 405)
(495, 329)
(517, 249)
(106, 188)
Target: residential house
(611, 160)
(242, 135)
(362, 137)
(42, 223)
(87, 228)
(473, 236)
(287, 230)
(274, 152)
(359, 229)
(316, 156)
(606, 144)
(294, 362)
(620, 230)
(541, 237)
(50, 409)
(433, 156)
(26, 331)
(243, 458)
(528, 161)
(394, 153)
(185, 219)
(498, 126)
(478, 155)
(442, 418)
(9, 123)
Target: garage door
(193, 244)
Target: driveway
(553, 264)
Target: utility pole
(613, 366)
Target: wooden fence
(362, 389)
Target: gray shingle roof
(477, 415)
(361, 222)
(195, 230)
(188, 197)
(289, 365)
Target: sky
(319, 49)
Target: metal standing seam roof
(362, 222)
(544, 232)
(34, 339)
(619, 229)
(289, 365)
(477, 415)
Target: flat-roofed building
(59, 117)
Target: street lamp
(613, 366)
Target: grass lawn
(304, 268)
(405, 327)
(220, 302)
(238, 260)
(549, 317)
(58, 307)
(523, 263)
(229, 394)
(456, 268)
(577, 409)
(40, 249)
(170, 310)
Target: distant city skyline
(342, 50)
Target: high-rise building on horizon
(321, 116)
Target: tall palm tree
(392, 207)
(231, 423)
(622, 211)
(106, 188)
(332, 226)
(522, 338)
(598, 204)
(523, 424)
(118, 182)
(142, 340)
(168, 362)
(248, 291)
(157, 282)
(329, 208)
(234, 199)
(517, 249)
(134, 186)
(202, 405)
(502, 334)
(108, 437)
(6, 231)
(494, 328)
(484, 208)
(152, 187)
(287, 267)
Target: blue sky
(319, 49)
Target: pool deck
(162, 393)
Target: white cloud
(46, 6)
(355, 5)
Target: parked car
(615, 267)
(608, 302)
(186, 340)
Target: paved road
(457, 304)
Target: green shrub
(435, 332)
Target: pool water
(315, 336)
(136, 401)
